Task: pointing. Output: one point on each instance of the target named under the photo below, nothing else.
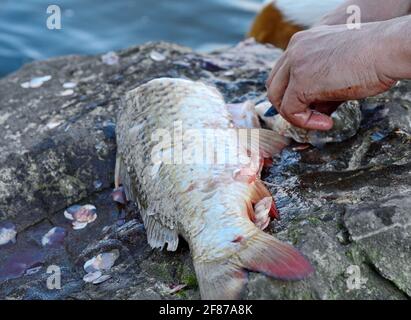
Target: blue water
(95, 26)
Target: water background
(96, 26)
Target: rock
(345, 206)
(382, 230)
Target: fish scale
(209, 204)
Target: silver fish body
(218, 207)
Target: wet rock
(58, 151)
(382, 229)
(19, 263)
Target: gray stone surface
(346, 206)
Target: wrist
(394, 48)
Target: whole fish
(218, 207)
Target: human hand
(324, 66)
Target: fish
(219, 207)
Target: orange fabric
(270, 27)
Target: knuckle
(302, 97)
(274, 98)
(277, 101)
(296, 37)
(295, 73)
(295, 56)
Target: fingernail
(271, 112)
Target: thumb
(299, 113)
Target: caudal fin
(226, 279)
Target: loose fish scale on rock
(8, 233)
(203, 203)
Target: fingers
(278, 86)
(278, 64)
(326, 107)
(299, 114)
(285, 99)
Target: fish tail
(227, 279)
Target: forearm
(371, 10)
